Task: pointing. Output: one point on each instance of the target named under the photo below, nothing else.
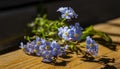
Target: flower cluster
(70, 33)
(91, 46)
(51, 50)
(47, 50)
(67, 12)
(74, 33)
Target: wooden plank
(112, 28)
(96, 65)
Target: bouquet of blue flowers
(52, 39)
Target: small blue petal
(21, 45)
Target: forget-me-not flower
(67, 12)
(91, 46)
(70, 33)
(55, 48)
(47, 56)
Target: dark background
(15, 14)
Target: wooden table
(19, 60)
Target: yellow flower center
(55, 49)
(47, 47)
(66, 14)
(75, 35)
(91, 45)
(38, 42)
(66, 33)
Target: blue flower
(47, 56)
(67, 12)
(47, 46)
(28, 48)
(91, 46)
(65, 34)
(78, 32)
(70, 33)
(55, 48)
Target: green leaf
(27, 38)
(90, 31)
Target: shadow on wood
(111, 46)
(107, 66)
